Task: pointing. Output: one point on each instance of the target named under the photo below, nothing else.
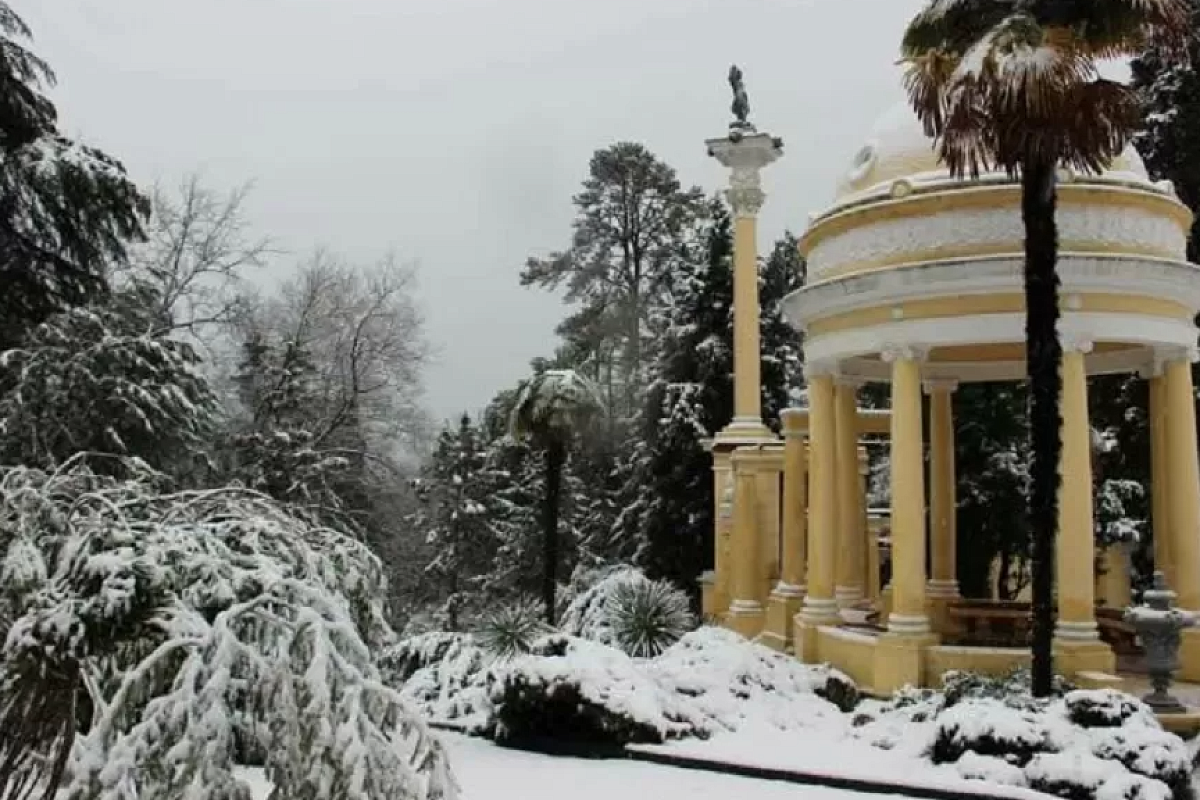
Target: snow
(488, 772)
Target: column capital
(935, 385)
(904, 352)
(1077, 343)
(746, 155)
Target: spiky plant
(1015, 85)
(511, 630)
(647, 617)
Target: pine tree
(781, 273)
(68, 211)
(455, 518)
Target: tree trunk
(1043, 353)
(556, 456)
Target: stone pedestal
(1072, 657)
(782, 607)
(900, 661)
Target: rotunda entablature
(909, 256)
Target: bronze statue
(741, 101)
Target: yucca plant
(511, 630)
(647, 617)
(1015, 85)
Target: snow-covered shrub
(723, 682)
(452, 689)
(572, 691)
(647, 617)
(401, 661)
(1148, 751)
(186, 625)
(1077, 775)
(990, 769)
(1103, 708)
(989, 727)
(511, 629)
(623, 608)
(1013, 688)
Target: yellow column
(1183, 493)
(716, 589)
(788, 593)
(745, 610)
(908, 498)
(1160, 518)
(850, 538)
(820, 607)
(942, 490)
(1075, 553)
(746, 156)
(747, 359)
(1077, 645)
(900, 654)
(865, 536)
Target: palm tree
(549, 410)
(1014, 85)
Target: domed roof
(898, 150)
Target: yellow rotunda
(914, 279)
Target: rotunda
(914, 279)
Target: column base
(816, 613)
(900, 661)
(782, 606)
(910, 626)
(745, 617)
(848, 596)
(712, 604)
(1072, 656)
(1189, 656)
(938, 597)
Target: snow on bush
(512, 629)
(157, 633)
(450, 681)
(569, 689)
(728, 682)
(623, 608)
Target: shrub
(401, 661)
(1147, 751)
(569, 691)
(646, 617)
(839, 689)
(455, 689)
(1013, 688)
(989, 727)
(1075, 775)
(511, 630)
(991, 769)
(1103, 708)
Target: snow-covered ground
(487, 772)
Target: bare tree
(198, 249)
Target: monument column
(745, 152)
(1076, 638)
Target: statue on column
(741, 101)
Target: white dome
(897, 150)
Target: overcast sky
(455, 132)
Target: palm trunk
(1043, 353)
(556, 456)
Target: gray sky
(455, 132)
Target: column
(1160, 518)
(865, 538)
(942, 490)
(1075, 553)
(1183, 491)
(745, 610)
(820, 607)
(908, 616)
(850, 538)
(786, 597)
(795, 503)
(717, 592)
(746, 156)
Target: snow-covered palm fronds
(193, 626)
(1002, 81)
(553, 402)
